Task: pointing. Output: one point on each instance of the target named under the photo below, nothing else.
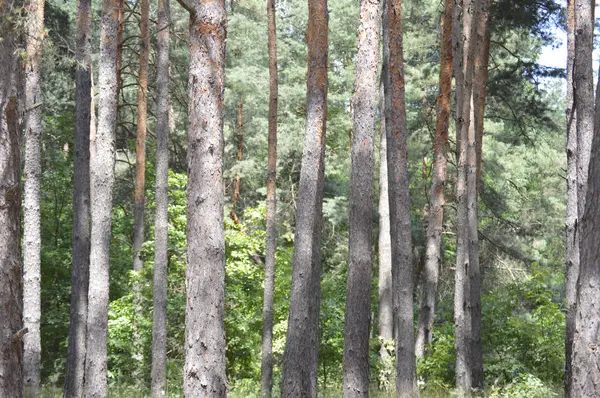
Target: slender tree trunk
(386, 307)
(11, 327)
(204, 369)
(102, 178)
(161, 226)
(140, 181)
(585, 358)
(31, 214)
(84, 124)
(433, 254)
(480, 87)
(399, 197)
(572, 230)
(360, 262)
(240, 157)
(271, 245)
(480, 55)
(300, 366)
(464, 306)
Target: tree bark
(161, 225)
(433, 254)
(31, 215)
(204, 369)
(399, 198)
(102, 178)
(240, 157)
(84, 124)
(466, 297)
(300, 366)
(480, 87)
(355, 380)
(11, 327)
(266, 385)
(140, 181)
(572, 229)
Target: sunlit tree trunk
(300, 366)
(32, 239)
(271, 244)
(11, 326)
(84, 123)
(572, 229)
(433, 254)
(161, 225)
(399, 198)
(102, 178)
(140, 180)
(240, 157)
(204, 368)
(585, 357)
(355, 380)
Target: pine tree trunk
(433, 254)
(240, 157)
(300, 366)
(400, 228)
(572, 230)
(464, 307)
(386, 314)
(11, 327)
(355, 382)
(140, 182)
(84, 124)
(102, 178)
(475, 132)
(161, 226)
(480, 87)
(585, 357)
(32, 239)
(266, 385)
(204, 369)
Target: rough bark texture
(32, 238)
(161, 225)
(480, 87)
(140, 181)
(585, 376)
(355, 376)
(433, 256)
(84, 123)
(300, 366)
(400, 231)
(572, 230)
(102, 178)
(11, 348)
(466, 295)
(266, 384)
(204, 369)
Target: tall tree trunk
(84, 124)
(266, 385)
(475, 132)
(585, 359)
(161, 225)
(480, 86)
(572, 229)
(433, 255)
(140, 181)
(464, 307)
(204, 369)
(240, 157)
(399, 197)
(11, 299)
(300, 366)
(355, 382)
(386, 307)
(31, 214)
(102, 178)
